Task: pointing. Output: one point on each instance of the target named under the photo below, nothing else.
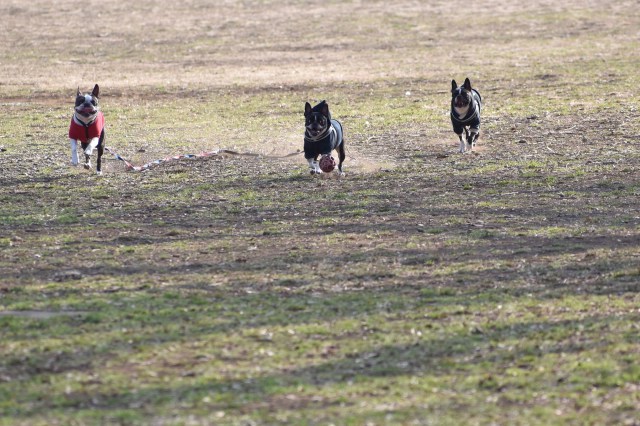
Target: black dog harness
(325, 142)
(472, 118)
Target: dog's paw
(99, 172)
(86, 166)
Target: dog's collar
(321, 136)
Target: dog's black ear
(467, 84)
(78, 93)
(325, 109)
(307, 109)
(96, 91)
(454, 85)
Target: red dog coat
(82, 133)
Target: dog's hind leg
(341, 156)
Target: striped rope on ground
(129, 166)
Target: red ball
(327, 163)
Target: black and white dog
(322, 135)
(87, 127)
(466, 105)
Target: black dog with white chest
(466, 105)
(87, 127)
(322, 135)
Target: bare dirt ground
(426, 287)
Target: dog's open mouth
(315, 132)
(460, 102)
(86, 112)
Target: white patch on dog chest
(462, 112)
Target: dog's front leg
(88, 151)
(74, 151)
(462, 146)
(99, 160)
(341, 156)
(100, 153)
(314, 166)
(93, 143)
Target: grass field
(424, 288)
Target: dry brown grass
(202, 44)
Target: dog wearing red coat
(87, 128)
